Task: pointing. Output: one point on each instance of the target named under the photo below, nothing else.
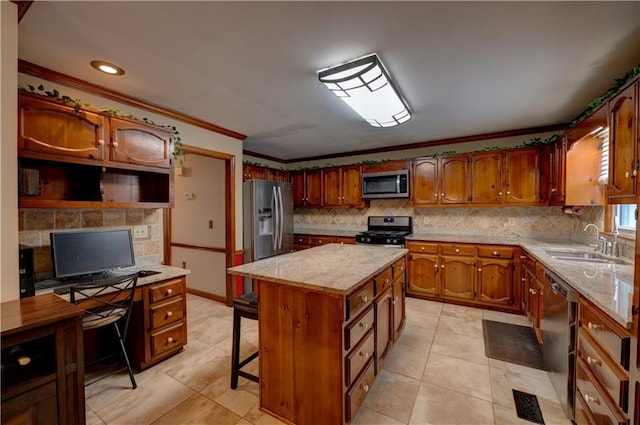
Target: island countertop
(336, 268)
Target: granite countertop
(334, 268)
(608, 286)
(166, 272)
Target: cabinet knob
(363, 354)
(593, 361)
(442, 266)
(594, 326)
(522, 257)
(499, 193)
(590, 399)
(101, 142)
(435, 195)
(169, 313)
(386, 280)
(115, 144)
(634, 173)
(364, 387)
(422, 248)
(627, 174)
(554, 190)
(169, 291)
(479, 269)
(457, 250)
(495, 254)
(170, 340)
(508, 192)
(442, 194)
(364, 299)
(523, 279)
(436, 266)
(24, 360)
(363, 325)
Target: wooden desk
(42, 361)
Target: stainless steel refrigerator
(267, 221)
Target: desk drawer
(358, 358)
(169, 312)
(356, 395)
(164, 290)
(612, 337)
(594, 402)
(355, 331)
(422, 247)
(383, 280)
(455, 249)
(167, 339)
(357, 301)
(495, 252)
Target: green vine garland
(178, 152)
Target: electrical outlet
(140, 232)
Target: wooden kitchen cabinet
(342, 186)
(384, 326)
(469, 274)
(425, 182)
(532, 293)
(81, 158)
(159, 322)
(624, 116)
(454, 179)
(557, 179)
(309, 241)
(487, 176)
(51, 128)
(277, 175)
(458, 277)
(307, 190)
(399, 288)
(522, 176)
(250, 172)
(42, 362)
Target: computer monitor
(88, 252)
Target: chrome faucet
(599, 238)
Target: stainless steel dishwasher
(560, 327)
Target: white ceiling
(465, 68)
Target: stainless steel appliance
(267, 220)
(560, 327)
(385, 184)
(386, 230)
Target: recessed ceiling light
(107, 68)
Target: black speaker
(27, 272)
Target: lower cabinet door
(458, 277)
(384, 326)
(38, 406)
(423, 274)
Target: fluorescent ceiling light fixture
(107, 68)
(366, 87)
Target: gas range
(386, 230)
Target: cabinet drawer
(528, 261)
(320, 240)
(423, 247)
(163, 314)
(596, 404)
(398, 268)
(495, 252)
(607, 333)
(164, 290)
(609, 373)
(455, 249)
(383, 280)
(167, 340)
(357, 301)
(302, 240)
(355, 331)
(356, 395)
(355, 362)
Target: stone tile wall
(35, 225)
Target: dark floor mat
(511, 343)
(527, 407)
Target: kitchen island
(329, 317)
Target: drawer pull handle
(593, 360)
(590, 399)
(24, 360)
(495, 254)
(364, 299)
(594, 326)
(386, 280)
(169, 292)
(169, 313)
(170, 340)
(363, 325)
(364, 387)
(364, 354)
(522, 257)
(457, 249)
(422, 248)
(523, 279)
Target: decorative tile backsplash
(541, 222)
(35, 225)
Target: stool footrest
(248, 376)
(248, 360)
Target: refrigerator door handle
(274, 231)
(280, 218)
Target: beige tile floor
(436, 374)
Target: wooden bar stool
(245, 306)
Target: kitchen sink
(582, 256)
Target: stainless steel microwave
(385, 184)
